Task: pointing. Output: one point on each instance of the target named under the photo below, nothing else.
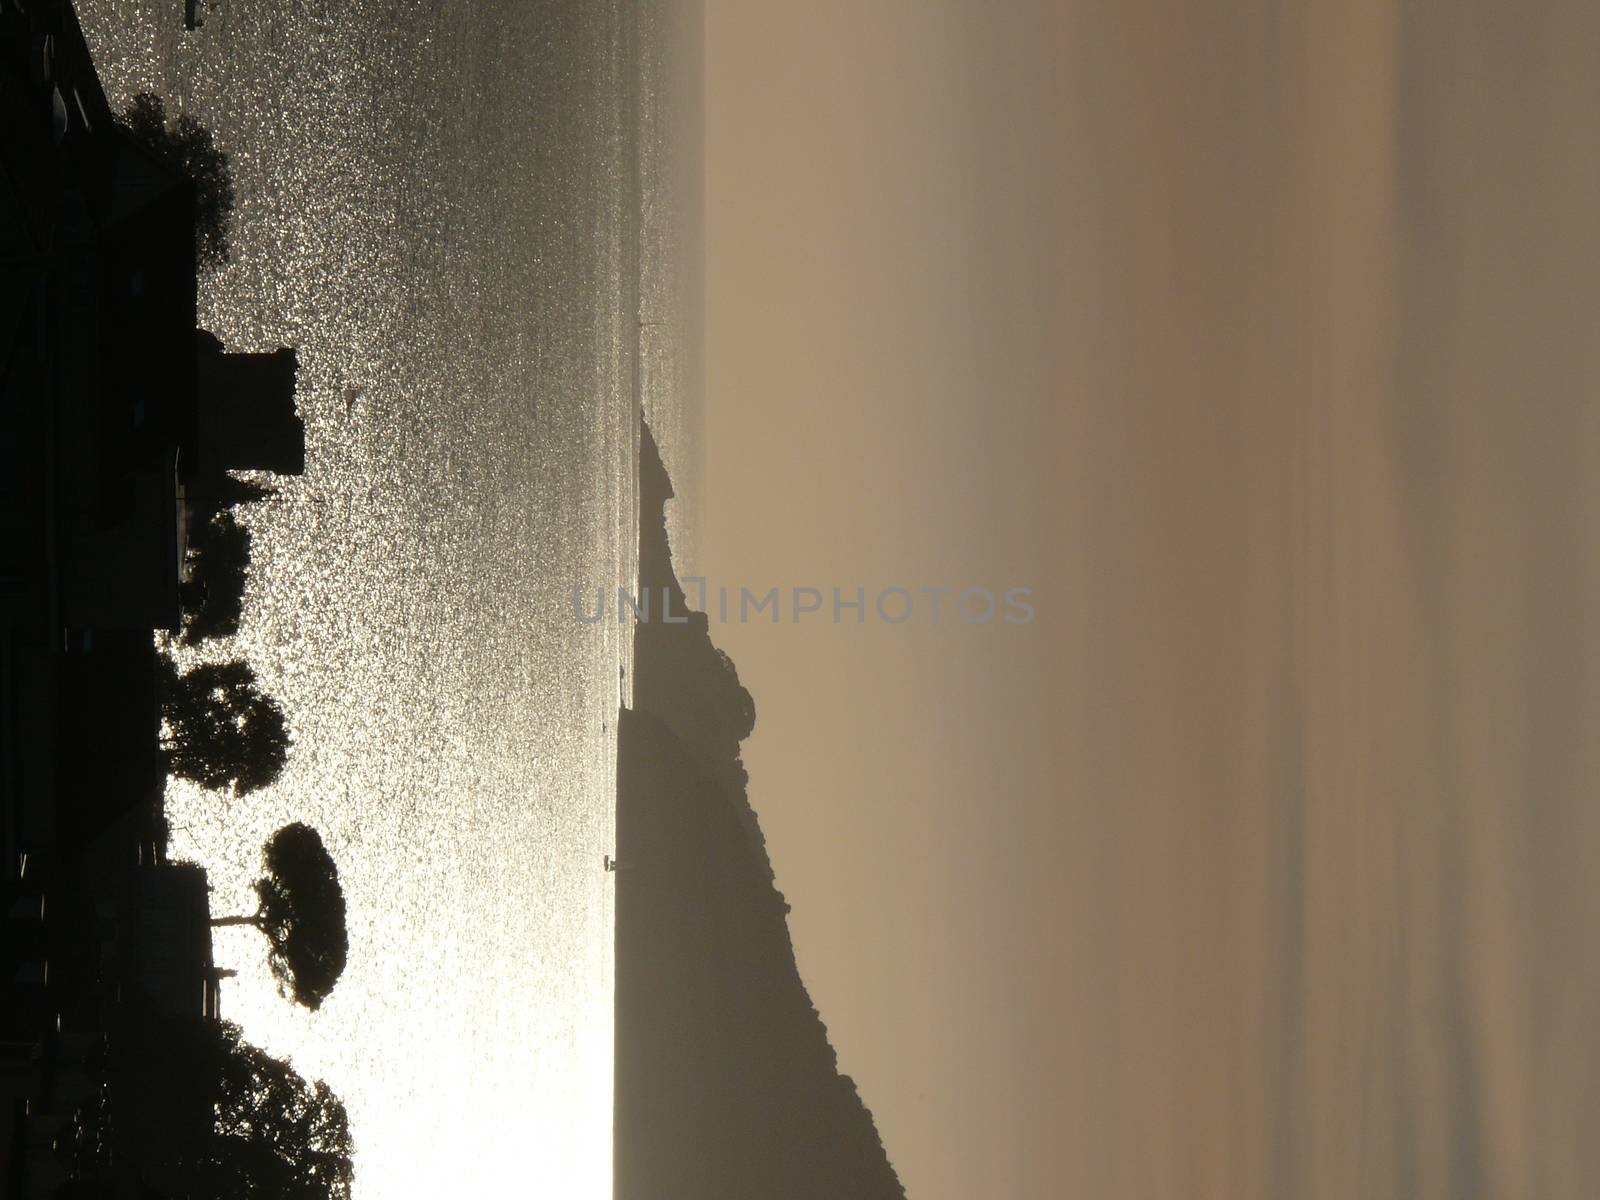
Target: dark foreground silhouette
(214, 1116)
(726, 1083)
(124, 425)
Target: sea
(477, 223)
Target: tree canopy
(222, 731)
(187, 146)
(301, 914)
(213, 596)
(269, 1133)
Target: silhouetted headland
(726, 1083)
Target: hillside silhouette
(727, 1085)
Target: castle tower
(245, 418)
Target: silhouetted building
(163, 962)
(245, 410)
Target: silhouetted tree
(213, 595)
(264, 1130)
(302, 914)
(187, 146)
(222, 731)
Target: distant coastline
(726, 1083)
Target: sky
(1252, 341)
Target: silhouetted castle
(245, 410)
(243, 419)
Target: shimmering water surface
(437, 205)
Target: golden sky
(1255, 340)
